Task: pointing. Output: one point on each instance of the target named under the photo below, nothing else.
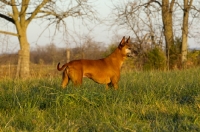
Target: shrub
(156, 60)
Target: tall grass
(145, 101)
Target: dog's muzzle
(132, 53)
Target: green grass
(146, 101)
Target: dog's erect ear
(121, 44)
(128, 40)
(122, 41)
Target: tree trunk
(23, 57)
(185, 32)
(167, 10)
(184, 41)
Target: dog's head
(127, 48)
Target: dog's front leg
(115, 86)
(107, 86)
(114, 82)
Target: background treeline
(150, 57)
(51, 54)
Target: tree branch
(35, 12)
(157, 2)
(15, 11)
(7, 18)
(190, 3)
(6, 2)
(24, 7)
(172, 5)
(9, 33)
(151, 1)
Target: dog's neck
(117, 56)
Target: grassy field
(146, 101)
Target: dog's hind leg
(65, 78)
(76, 76)
(109, 85)
(78, 80)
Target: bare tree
(141, 20)
(21, 13)
(167, 15)
(139, 17)
(149, 16)
(167, 12)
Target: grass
(146, 101)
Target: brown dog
(103, 71)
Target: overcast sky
(37, 37)
(99, 32)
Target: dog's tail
(63, 67)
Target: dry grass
(9, 71)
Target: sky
(37, 36)
(100, 32)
